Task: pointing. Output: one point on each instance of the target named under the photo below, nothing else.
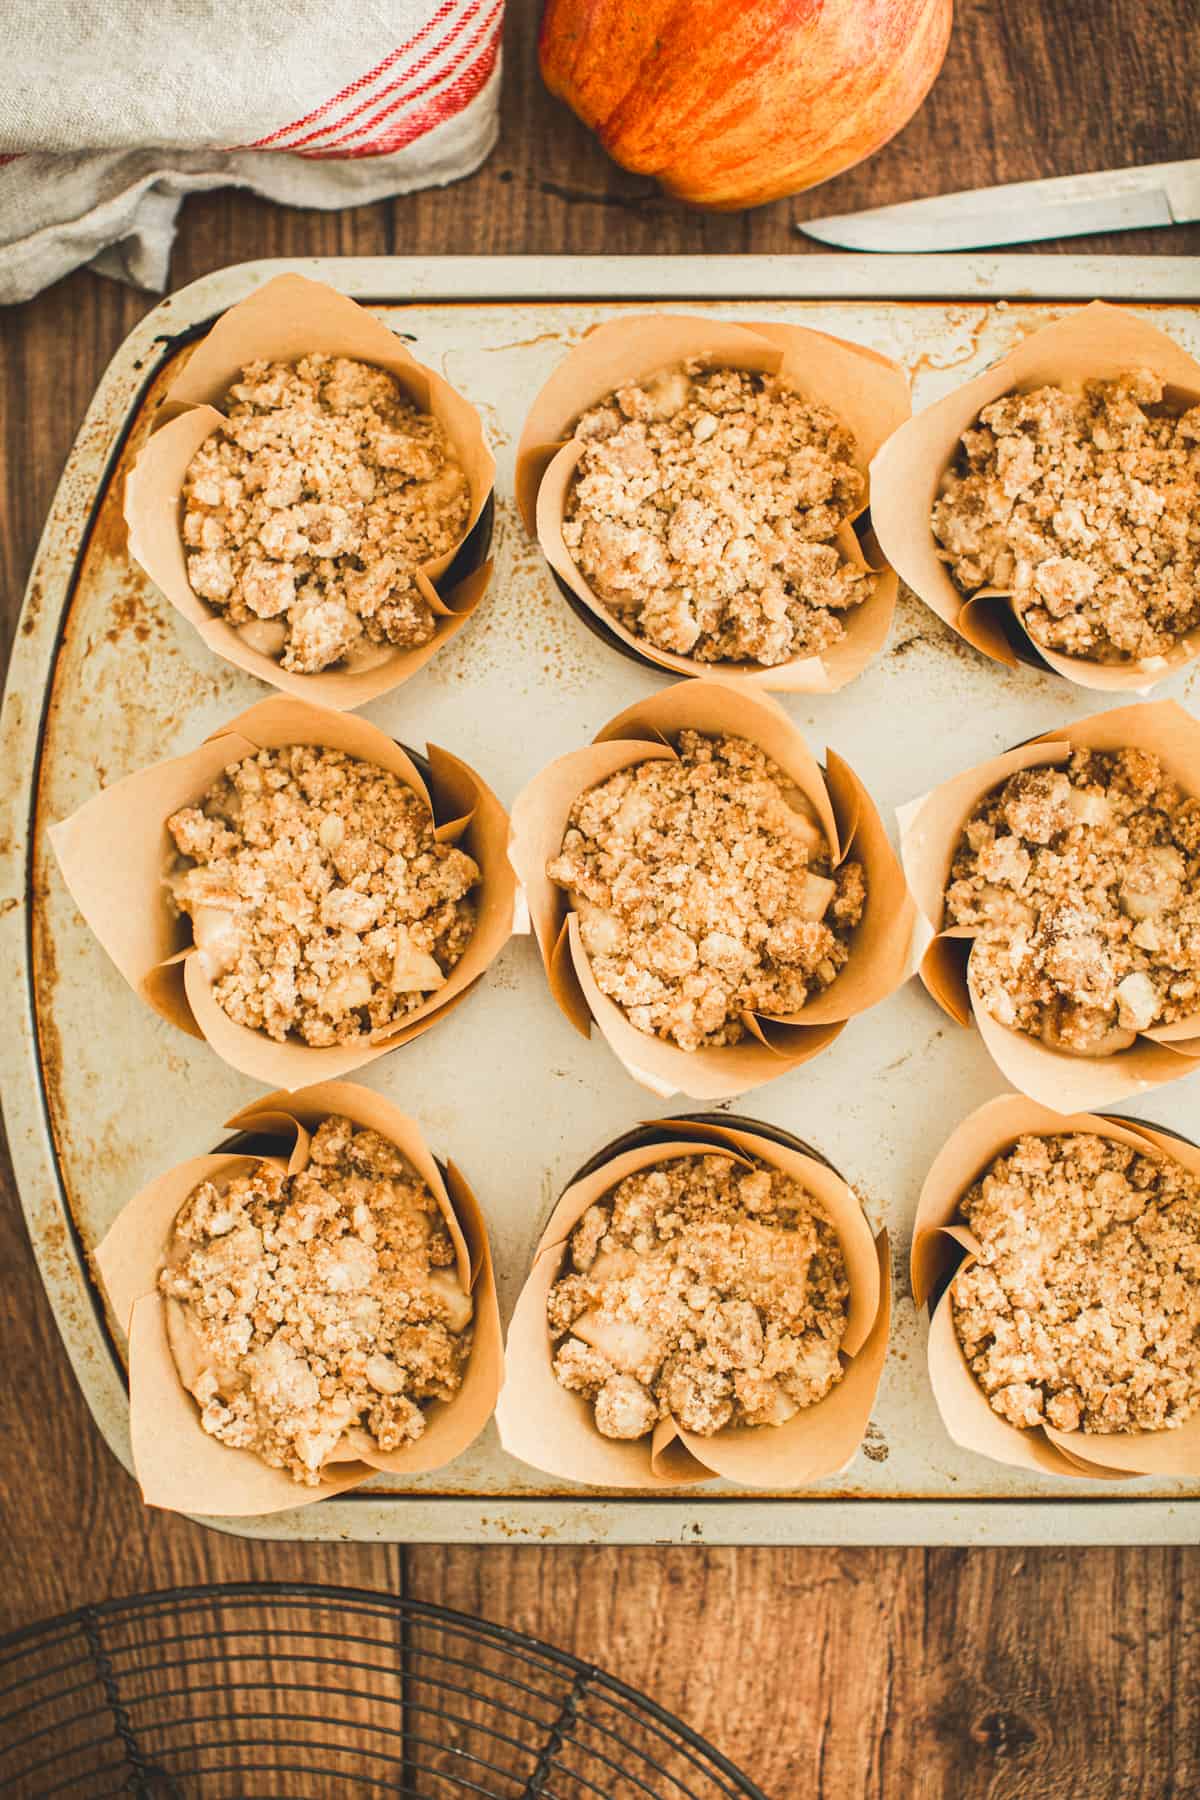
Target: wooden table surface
(828, 1674)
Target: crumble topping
(701, 1289)
(704, 891)
(319, 897)
(1083, 883)
(1083, 1311)
(309, 509)
(703, 513)
(311, 1309)
(1087, 507)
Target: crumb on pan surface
(319, 897)
(1083, 1310)
(704, 890)
(703, 513)
(1083, 883)
(704, 1290)
(1086, 506)
(314, 1305)
(308, 511)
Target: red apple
(733, 102)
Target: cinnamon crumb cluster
(1083, 1310)
(319, 897)
(1086, 507)
(703, 514)
(1083, 884)
(315, 1314)
(309, 509)
(704, 890)
(704, 1290)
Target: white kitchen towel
(112, 110)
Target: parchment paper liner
(942, 1242)
(879, 959)
(930, 829)
(868, 392)
(290, 317)
(115, 851)
(1096, 342)
(553, 1430)
(178, 1465)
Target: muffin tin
(100, 1094)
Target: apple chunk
(818, 892)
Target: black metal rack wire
(295, 1689)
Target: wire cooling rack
(295, 1689)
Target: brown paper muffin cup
(1096, 342)
(178, 1465)
(553, 1430)
(879, 954)
(288, 318)
(943, 1243)
(868, 393)
(115, 851)
(930, 829)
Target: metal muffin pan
(100, 1094)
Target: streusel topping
(1083, 1310)
(1086, 507)
(704, 1290)
(1083, 883)
(703, 514)
(317, 1312)
(318, 894)
(309, 509)
(704, 890)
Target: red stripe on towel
(354, 87)
(452, 100)
(424, 62)
(447, 75)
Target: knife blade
(1021, 212)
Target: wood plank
(1054, 1672)
(761, 1650)
(836, 1674)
